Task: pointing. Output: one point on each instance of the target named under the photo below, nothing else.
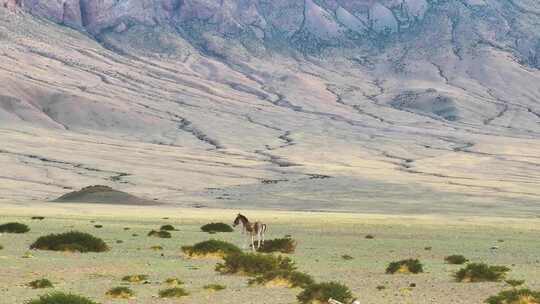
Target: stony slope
(381, 106)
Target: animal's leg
(259, 239)
(252, 242)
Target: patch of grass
(211, 248)
(1, 247)
(515, 283)
(370, 237)
(253, 264)
(217, 227)
(347, 257)
(160, 234)
(174, 281)
(167, 228)
(156, 248)
(61, 298)
(214, 287)
(135, 278)
(98, 226)
(283, 245)
(39, 218)
(514, 296)
(480, 272)
(120, 293)
(14, 228)
(322, 292)
(405, 266)
(456, 259)
(41, 283)
(70, 241)
(175, 292)
(283, 278)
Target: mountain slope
(378, 106)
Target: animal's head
(237, 220)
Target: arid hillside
(402, 106)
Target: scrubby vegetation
(322, 292)
(347, 257)
(174, 281)
(98, 226)
(515, 296)
(175, 292)
(456, 259)
(61, 298)
(167, 228)
(211, 248)
(1, 247)
(14, 228)
(156, 248)
(40, 218)
(515, 283)
(41, 283)
(214, 287)
(136, 278)
(120, 293)
(160, 234)
(370, 236)
(70, 241)
(284, 245)
(405, 266)
(480, 272)
(284, 278)
(217, 227)
(253, 264)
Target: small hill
(99, 194)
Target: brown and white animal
(255, 229)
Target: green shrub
(214, 287)
(98, 226)
(370, 236)
(347, 257)
(211, 248)
(160, 234)
(1, 247)
(135, 278)
(167, 228)
(480, 272)
(175, 292)
(514, 296)
(70, 241)
(40, 218)
(405, 266)
(284, 245)
(253, 264)
(156, 248)
(456, 259)
(174, 281)
(61, 298)
(322, 292)
(217, 227)
(41, 283)
(515, 283)
(120, 293)
(14, 228)
(284, 278)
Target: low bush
(98, 226)
(160, 234)
(70, 241)
(120, 293)
(347, 257)
(156, 248)
(283, 278)
(211, 248)
(167, 228)
(41, 283)
(217, 227)
(61, 298)
(480, 272)
(1, 247)
(39, 218)
(136, 278)
(515, 283)
(515, 296)
(175, 292)
(214, 287)
(456, 259)
(284, 245)
(253, 264)
(405, 266)
(322, 292)
(370, 237)
(14, 228)
(174, 281)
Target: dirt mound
(103, 195)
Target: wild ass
(257, 229)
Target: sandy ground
(323, 239)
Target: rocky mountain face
(364, 105)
